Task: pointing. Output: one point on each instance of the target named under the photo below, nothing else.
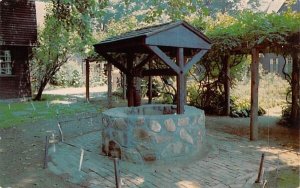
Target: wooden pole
(180, 82)
(124, 85)
(87, 80)
(227, 86)
(150, 90)
(254, 95)
(109, 84)
(150, 86)
(130, 81)
(295, 112)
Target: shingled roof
(18, 23)
(136, 40)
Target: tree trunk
(227, 85)
(295, 113)
(38, 96)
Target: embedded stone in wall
(120, 123)
(184, 135)
(170, 125)
(161, 139)
(183, 121)
(141, 134)
(155, 126)
(173, 149)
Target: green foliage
(68, 30)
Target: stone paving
(231, 161)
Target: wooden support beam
(180, 82)
(254, 95)
(144, 62)
(124, 81)
(165, 58)
(158, 72)
(110, 59)
(130, 81)
(109, 84)
(196, 58)
(150, 90)
(87, 80)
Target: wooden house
(18, 35)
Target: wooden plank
(87, 80)
(109, 84)
(180, 82)
(179, 36)
(150, 90)
(165, 58)
(158, 72)
(196, 58)
(144, 62)
(110, 59)
(130, 81)
(254, 95)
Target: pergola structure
(169, 49)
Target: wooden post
(124, 85)
(87, 80)
(130, 81)
(109, 84)
(150, 86)
(254, 95)
(227, 85)
(295, 112)
(150, 90)
(180, 82)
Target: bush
(242, 108)
(68, 76)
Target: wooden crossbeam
(159, 72)
(144, 62)
(164, 58)
(110, 59)
(196, 58)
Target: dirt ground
(22, 148)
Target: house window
(5, 62)
(274, 65)
(288, 65)
(271, 65)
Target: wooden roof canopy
(167, 49)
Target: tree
(68, 31)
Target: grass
(271, 92)
(19, 113)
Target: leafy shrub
(242, 108)
(68, 76)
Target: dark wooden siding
(18, 23)
(18, 84)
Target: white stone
(170, 125)
(177, 148)
(155, 126)
(183, 121)
(184, 135)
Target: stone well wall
(153, 132)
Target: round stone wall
(153, 132)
